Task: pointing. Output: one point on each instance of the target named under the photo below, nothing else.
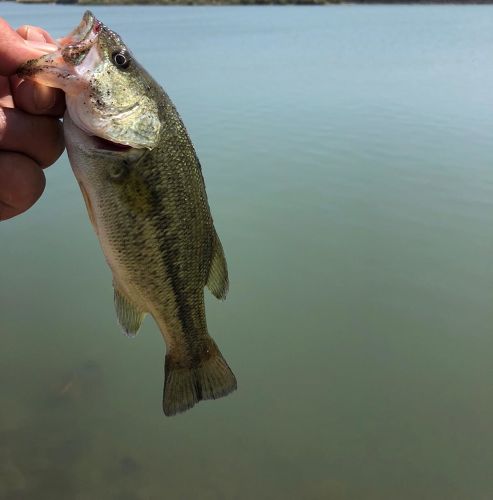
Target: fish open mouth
(75, 46)
(107, 145)
(71, 51)
(82, 31)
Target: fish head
(109, 94)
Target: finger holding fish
(43, 148)
(27, 142)
(22, 182)
(16, 49)
(31, 96)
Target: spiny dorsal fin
(217, 282)
(129, 316)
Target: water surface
(348, 156)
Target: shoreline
(278, 2)
(192, 3)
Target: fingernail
(44, 98)
(34, 35)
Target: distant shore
(277, 2)
(259, 2)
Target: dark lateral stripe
(169, 252)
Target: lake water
(348, 157)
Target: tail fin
(187, 382)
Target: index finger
(14, 50)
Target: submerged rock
(128, 466)
(80, 384)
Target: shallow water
(347, 153)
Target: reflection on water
(347, 155)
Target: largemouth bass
(145, 195)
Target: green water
(348, 157)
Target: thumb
(14, 50)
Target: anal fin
(129, 315)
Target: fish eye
(121, 59)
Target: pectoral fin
(129, 316)
(217, 282)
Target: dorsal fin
(218, 282)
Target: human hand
(31, 135)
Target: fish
(145, 195)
